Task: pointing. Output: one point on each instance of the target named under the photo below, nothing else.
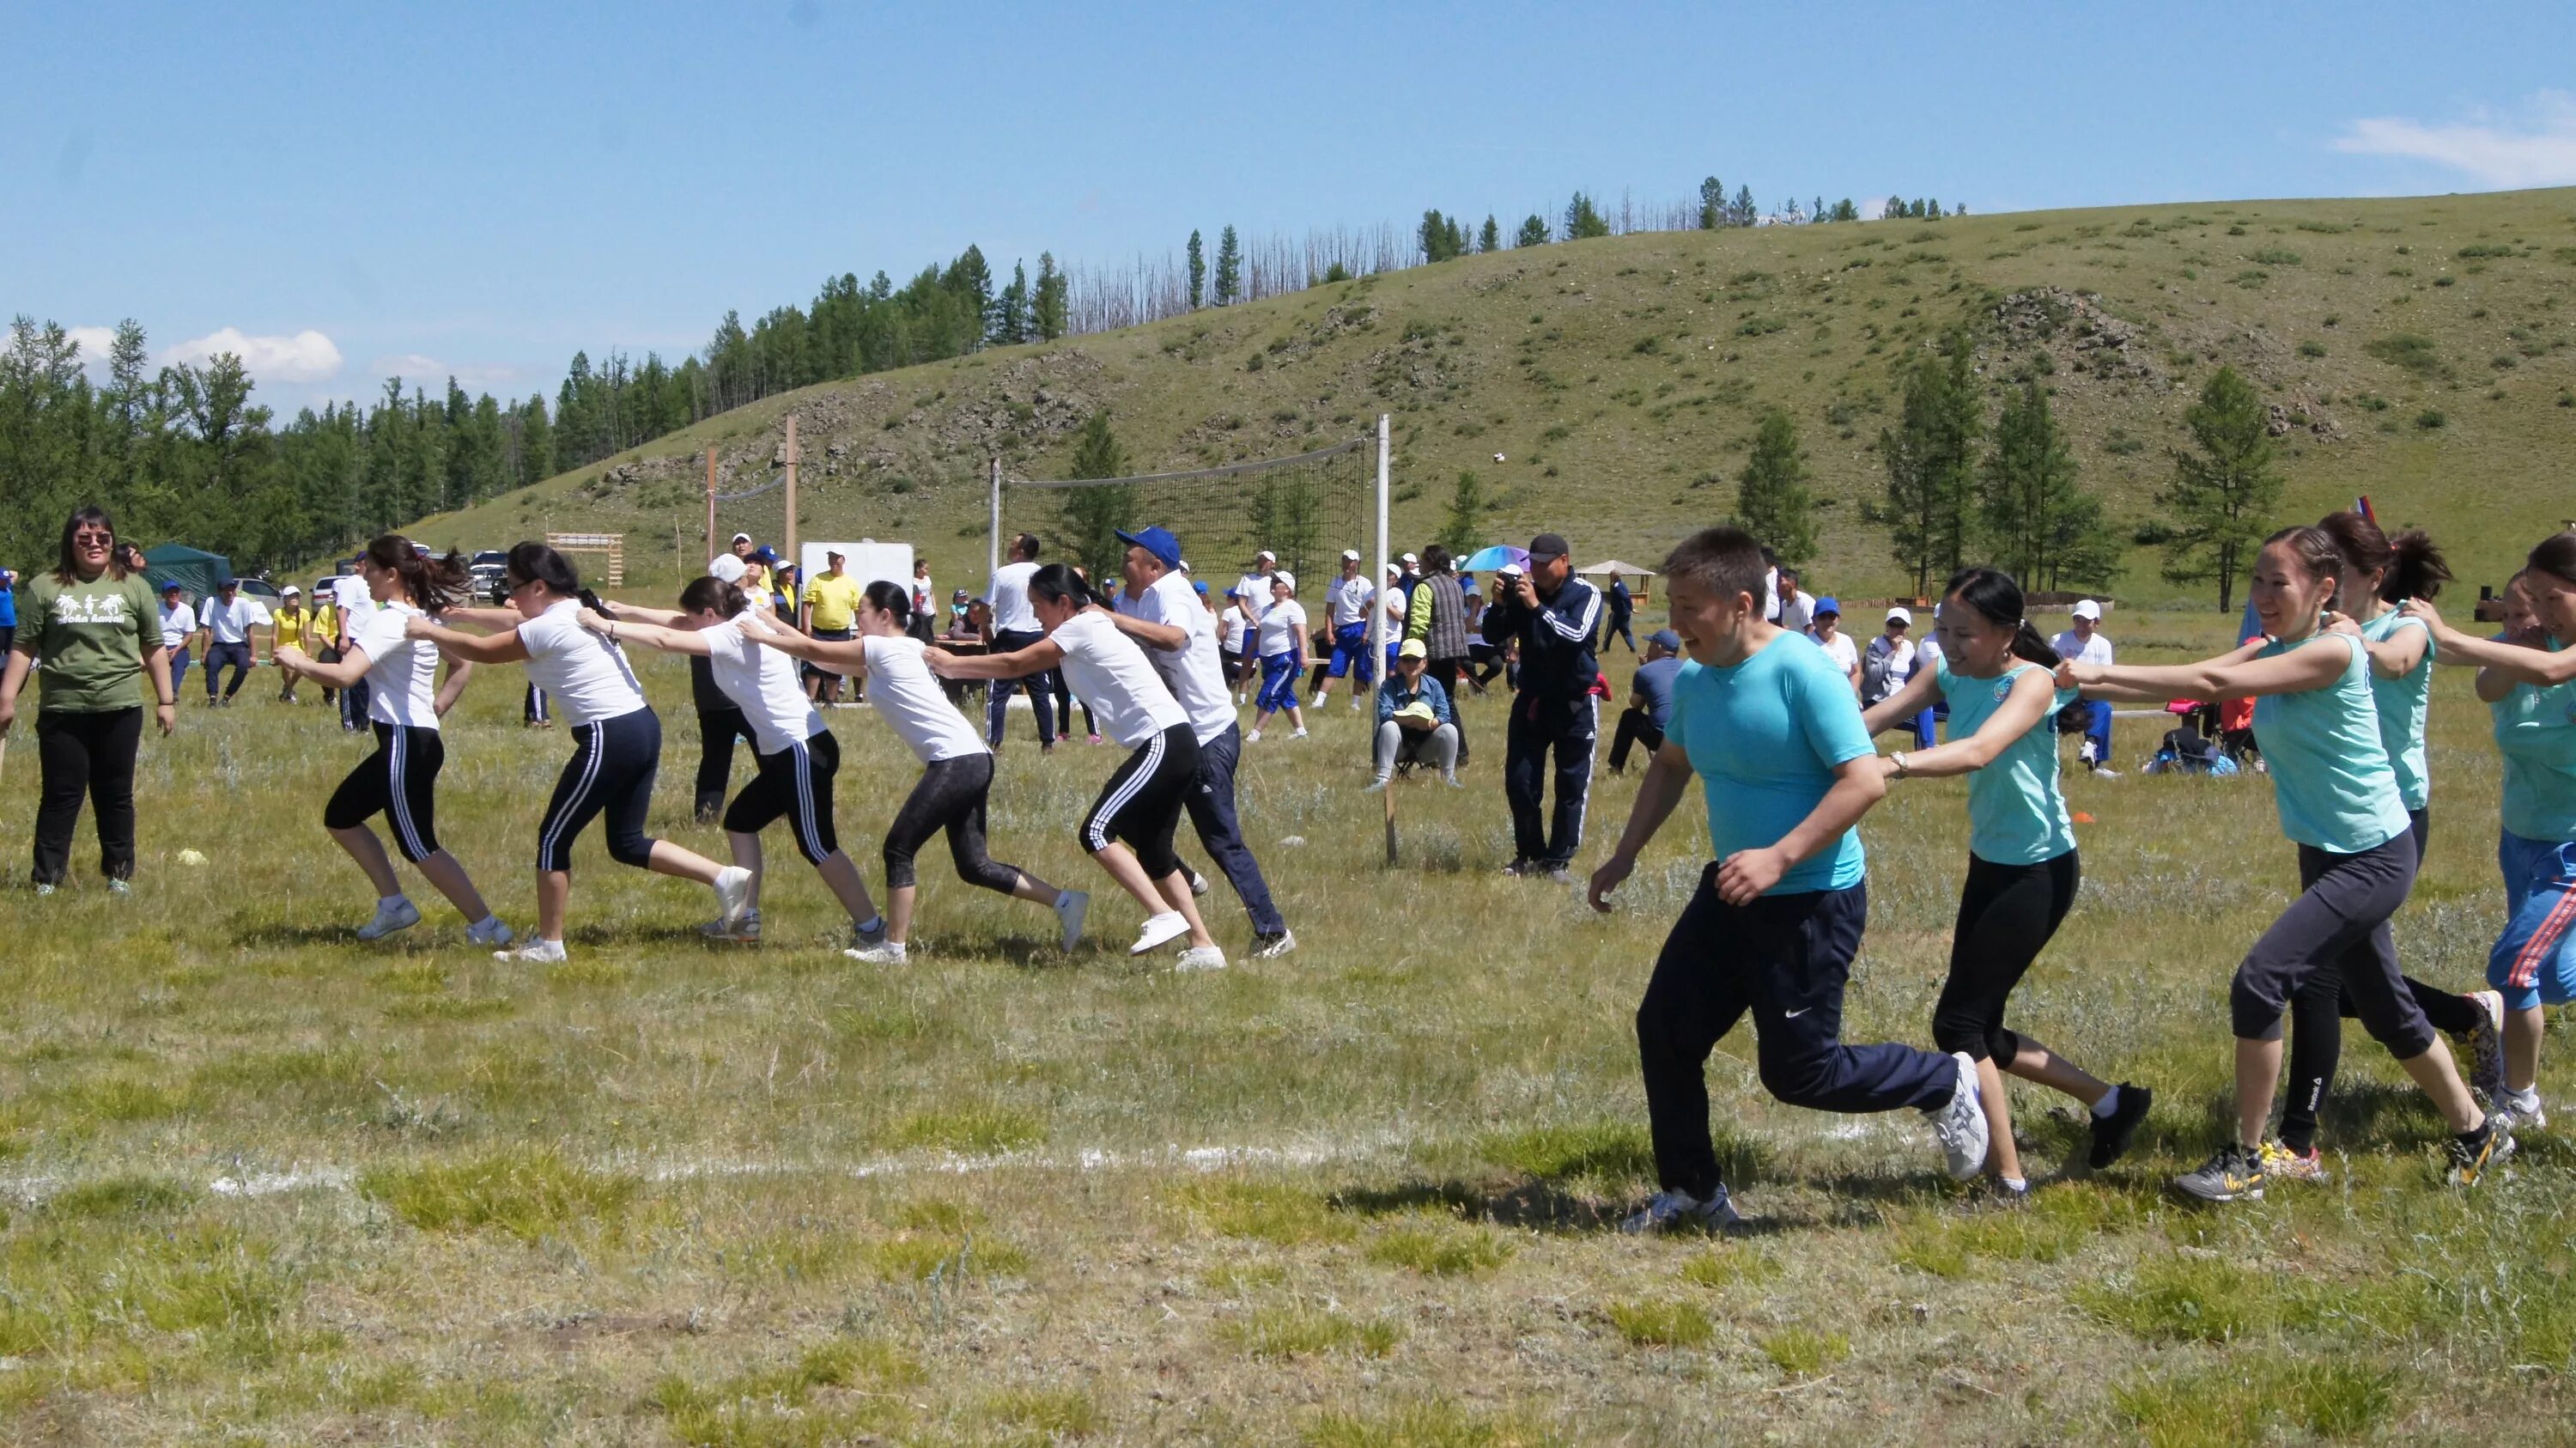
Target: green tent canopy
(193, 569)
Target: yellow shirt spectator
(294, 629)
(834, 601)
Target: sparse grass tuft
(1729, 1264)
(1438, 1249)
(528, 1193)
(1301, 1330)
(123, 1196)
(979, 1128)
(1803, 1352)
(1280, 1215)
(1661, 1324)
(1438, 1423)
(1609, 1150)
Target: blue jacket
(1556, 639)
(1430, 692)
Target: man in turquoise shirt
(1769, 724)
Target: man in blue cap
(1159, 609)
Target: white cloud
(97, 344)
(308, 356)
(420, 370)
(2537, 150)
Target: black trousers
(610, 772)
(950, 796)
(86, 755)
(717, 730)
(795, 785)
(398, 781)
(1568, 727)
(220, 656)
(1636, 727)
(1041, 687)
(1785, 958)
(1142, 802)
(2007, 913)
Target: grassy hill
(2419, 348)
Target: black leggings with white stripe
(611, 770)
(398, 781)
(1141, 804)
(796, 783)
(951, 796)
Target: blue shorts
(1350, 651)
(1278, 682)
(2531, 963)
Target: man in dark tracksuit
(1622, 609)
(1555, 615)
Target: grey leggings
(2340, 915)
(949, 797)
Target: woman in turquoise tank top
(1995, 672)
(2339, 803)
(2378, 575)
(2529, 680)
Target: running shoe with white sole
(1070, 907)
(1201, 957)
(488, 931)
(1271, 947)
(2479, 1152)
(733, 893)
(391, 915)
(885, 952)
(533, 952)
(1198, 882)
(1961, 1123)
(2113, 1133)
(745, 931)
(120, 887)
(1159, 931)
(2522, 1109)
(2284, 1165)
(1682, 1212)
(2486, 1046)
(43, 890)
(2235, 1174)
(2104, 771)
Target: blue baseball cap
(1156, 541)
(1665, 639)
(1826, 605)
(1201, 586)
(765, 553)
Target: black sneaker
(2234, 1174)
(2479, 1152)
(2113, 1133)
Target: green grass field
(2423, 350)
(260, 1183)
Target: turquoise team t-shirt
(1765, 736)
(2535, 730)
(2331, 778)
(2016, 814)
(2402, 703)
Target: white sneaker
(43, 890)
(1373, 786)
(1682, 1212)
(745, 931)
(2104, 771)
(1453, 781)
(890, 952)
(2522, 1109)
(1070, 907)
(1159, 931)
(1355, 706)
(391, 915)
(120, 887)
(1252, 738)
(1198, 882)
(733, 893)
(1300, 734)
(1961, 1124)
(1271, 947)
(533, 952)
(488, 931)
(1201, 957)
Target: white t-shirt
(2068, 646)
(1771, 594)
(763, 683)
(1009, 593)
(1233, 630)
(230, 623)
(908, 697)
(1798, 612)
(1255, 588)
(1394, 600)
(1109, 672)
(585, 674)
(1841, 649)
(176, 624)
(925, 597)
(1283, 628)
(402, 674)
(1191, 671)
(1350, 600)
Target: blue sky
(342, 190)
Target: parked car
(489, 567)
(261, 589)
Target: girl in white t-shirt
(796, 755)
(957, 768)
(1282, 644)
(1129, 827)
(617, 739)
(399, 780)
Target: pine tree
(1050, 303)
(1464, 524)
(1583, 220)
(1011, 309)
(1437, 238)
(536, 441)
(1712, 204)
(1772, 500)
(1490, 237)
(1743, 212)
(1818, 213)
(2221, 498)
(1229, 268)
(1198, 271)
(1893, 210)
(2040, 526)
(1093, 516)
(1931, 464)
(1533, 231)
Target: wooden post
(793, 558)
(711, 504)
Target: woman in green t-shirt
(92, 622)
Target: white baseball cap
(1266, 556)
(1286, 577)
(1409, 558)
(2087, 608)
(726, 569)
(1899, 615)
(289, 591)
(742, 537)
(1508, 570)
(1350, 555)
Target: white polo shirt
(1009, 595)
(1191, 672)
(177, 622)
(584, 674)
(230, 623)
(1109, 672)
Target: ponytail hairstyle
(2409, 565)
(1997, 599)
(887, 596)
(432, 585)
(2556, 556)
(707, 593)
(2316, 551)
(1058, 583)
(92, 516)
(534, 562)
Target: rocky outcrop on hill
(2074, 326)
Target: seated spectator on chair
(2085, 643)
(1414, 723)
(1650, 700)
